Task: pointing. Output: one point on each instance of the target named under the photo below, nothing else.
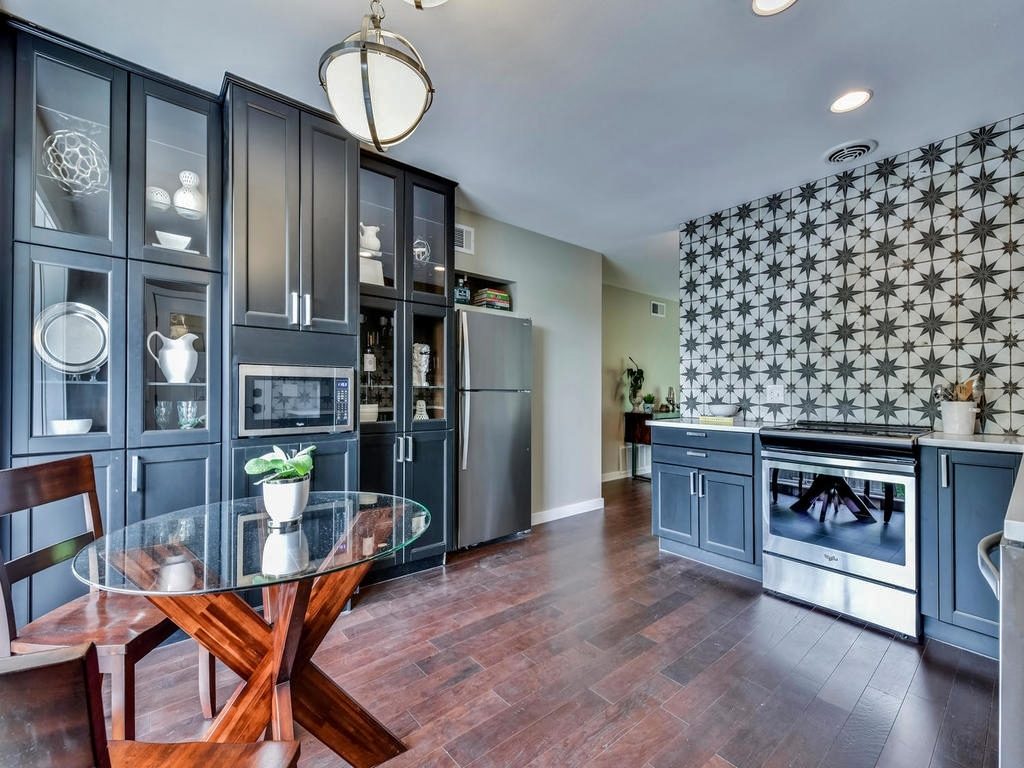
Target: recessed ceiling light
(771, 7)
(851, 100)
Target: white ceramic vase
(176, 575)
(188, 200)
(177, 358)
(285, 553)
(285, 500)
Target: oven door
(846, 514)
(293, 400)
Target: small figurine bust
(420, 364)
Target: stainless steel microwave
(294, 400)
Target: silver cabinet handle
(408, 450)
(136, 483)
(693, 483)
(944, 470)
(696, 434)
(293, 308)
(702, 486)
(698, 454)
(989, 569)
(307, 309)
(400, 449)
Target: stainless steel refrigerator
(495, 379)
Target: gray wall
(858, 293)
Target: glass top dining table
(234, 545)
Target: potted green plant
(285, 481)
(636, 383)
(649, 403)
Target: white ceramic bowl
(173, 241)
(728, 409)
(368, 413)
(70, 426)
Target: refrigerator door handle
(465, 429)
(465, 351)
(989, 569)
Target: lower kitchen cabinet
(675, 510)
(335, 463)
(162, 480)
(42, 526)
(417, 466)
(965, 495)
(726, 519)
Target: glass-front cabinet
(427, 355)
(174, 355)
(68, 388)
(174, 172)
(381, 339)
(405, 233)
(70, 149)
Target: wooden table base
(282, 685)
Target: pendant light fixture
(376, 82)
(421, 4)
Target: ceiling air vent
(465, 239)
(657, 309)
(850, 151)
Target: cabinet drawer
(701, 458)
(703, 439)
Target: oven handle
(877, 464)
(989, 569)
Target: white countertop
(1007, 444)
(739, 426)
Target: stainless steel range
(840, 519)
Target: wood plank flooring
(582, 645)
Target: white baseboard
(607, 477)
(557, 513)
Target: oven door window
(288, 403)
(847, 513)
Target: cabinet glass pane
(428, 241)
(176, 205)
(377, 224)
(71, 345)
(427, 367)
(175, 361)
(71, 150)
(377, 375)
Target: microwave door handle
(988, 568)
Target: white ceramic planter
(958, 418)
(286, 500)
(285, 553)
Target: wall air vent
(464, 239)
(850, 151)
(657, 309)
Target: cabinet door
(381, 229)
(71, 123)
(430, 249)
(428, 480)
(726, 525)
(265, 211)
(174, 339)
(335, 465)
(379, 472)
(69, 347)
(428, 360)
(971, 506)
(162, 480)
(243, 485)
(330, 159)
(39, 527)
(174, 198)
(383, 365)
(675, 503)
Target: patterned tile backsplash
(858, 293)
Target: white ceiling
(607, 123)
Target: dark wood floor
(581, 645)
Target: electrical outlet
(775, 393)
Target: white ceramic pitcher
(176, 358)
(368, 238)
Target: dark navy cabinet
(725, 503)
(161, 480)
(674, 489)
(335, 463)
(964, 498)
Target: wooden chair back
(51, 710)
(27, 487)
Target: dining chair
(51, 715)
(124, 628)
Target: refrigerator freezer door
(494, 465)
(495, 352)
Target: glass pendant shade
(376, 84)
(421, 4)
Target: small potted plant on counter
(285, 482)
(636, 383)
(959, 411)
(649, 403)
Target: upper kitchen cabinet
(174, 209)
(292, 192)
(69, 347)
(71, 139)
(406, 221)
